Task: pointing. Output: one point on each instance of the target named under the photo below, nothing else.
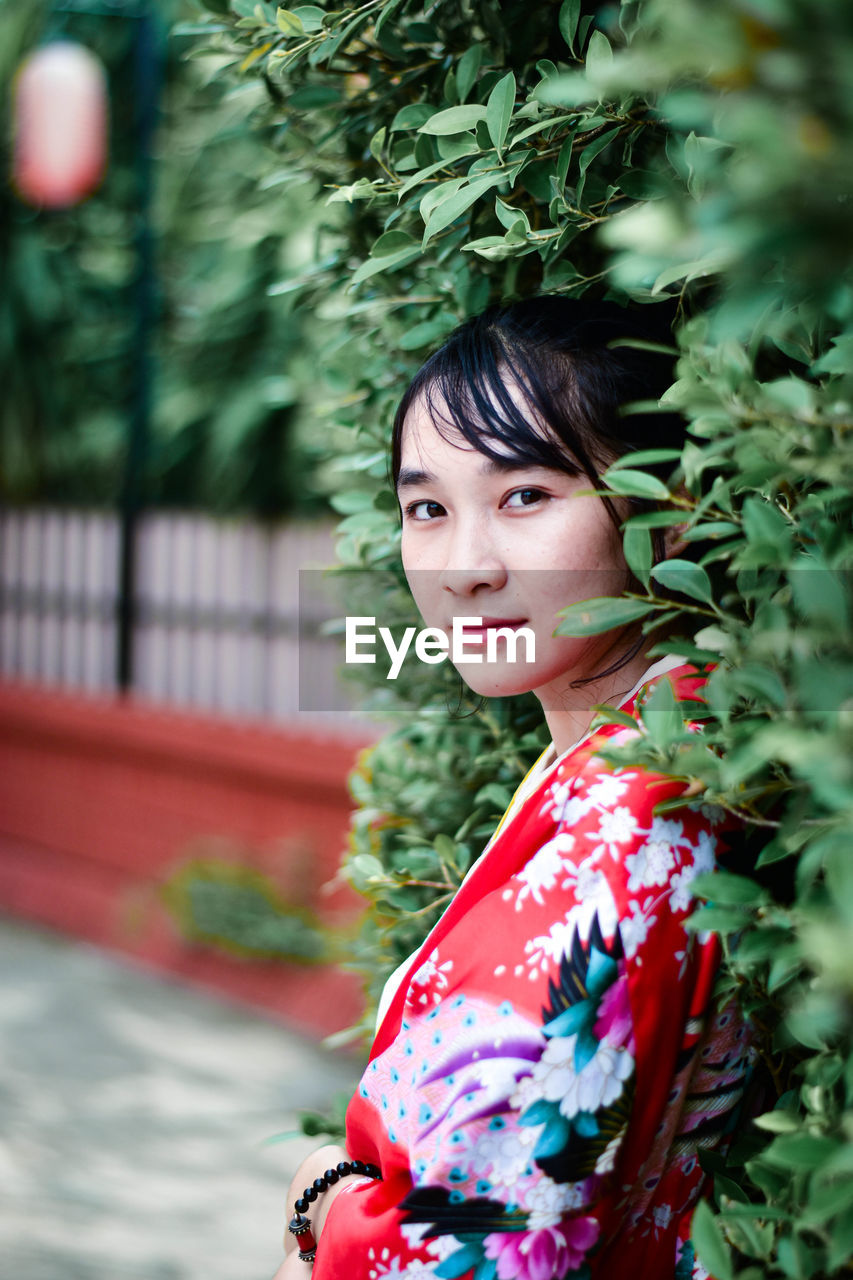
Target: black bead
(344, 1168)
(373, 1171)
(319, 1185)
(301, 1205)
(310, 1194)
(332, 1176)
(358, 1166)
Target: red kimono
(553, 1061)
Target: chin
(497, 681)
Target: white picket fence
(217, 608)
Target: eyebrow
(412, 477)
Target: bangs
(547, 382)
(483, 398)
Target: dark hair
(565, 358)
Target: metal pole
(146, 75)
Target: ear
(674, 542)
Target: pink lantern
(60, 125)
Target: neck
(570, 714)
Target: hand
(293, 1268)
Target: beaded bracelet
(299, 1225)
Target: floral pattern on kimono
(549, 1069)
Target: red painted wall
(100, 799)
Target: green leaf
(728, 889)
(449, 209)
(466, 70)
(311, 16)
(377, 142)
(445, 848)
(425, 333)
(711, 1248)
(499, 110)
(454, 119)
(643, 457)
(655, 519)
(313, 96)
(779, 1121)
(362, 189)
(637, 549)
(599, 56)
(800, 1151)
(685, 577)
(367, 867)
(589, 153)
(661, 714)
(567, 20)
(635, 484)
(603, 613)
(716, 920)
(288, 23)
(390, 262)
(412, 116)
(494, 248)
(391, 242)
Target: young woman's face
(510, 545)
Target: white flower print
(504, 1154)
(598, 1084)
(617, 827)
(704, 860)
(607, 1160)
(594, 898)
(441, 1247)
(385, 1265)
(564, 807)
(412, 1233)
(548, 1201)
(430, 973)
(547, 948)
(713, 813)
(634, 928)
(704, 853)
(668, 831)
(540, 873)
(662, 1215)
(609, 788)
(681, 895)
(588, 882)
(650, 865)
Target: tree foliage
(225, 432)
(655, 149)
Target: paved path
(134, 1115)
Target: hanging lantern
(60, 125)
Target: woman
(549, 1064)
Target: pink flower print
(614, 1024)
(547, 1254)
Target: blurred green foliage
(227, 358)
(650, 149)
(235, 908)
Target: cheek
(426, 592)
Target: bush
(224, 359)
(657, 149)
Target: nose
(472, 563)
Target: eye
(527, 497)
(424, 510)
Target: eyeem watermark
(433, 645)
